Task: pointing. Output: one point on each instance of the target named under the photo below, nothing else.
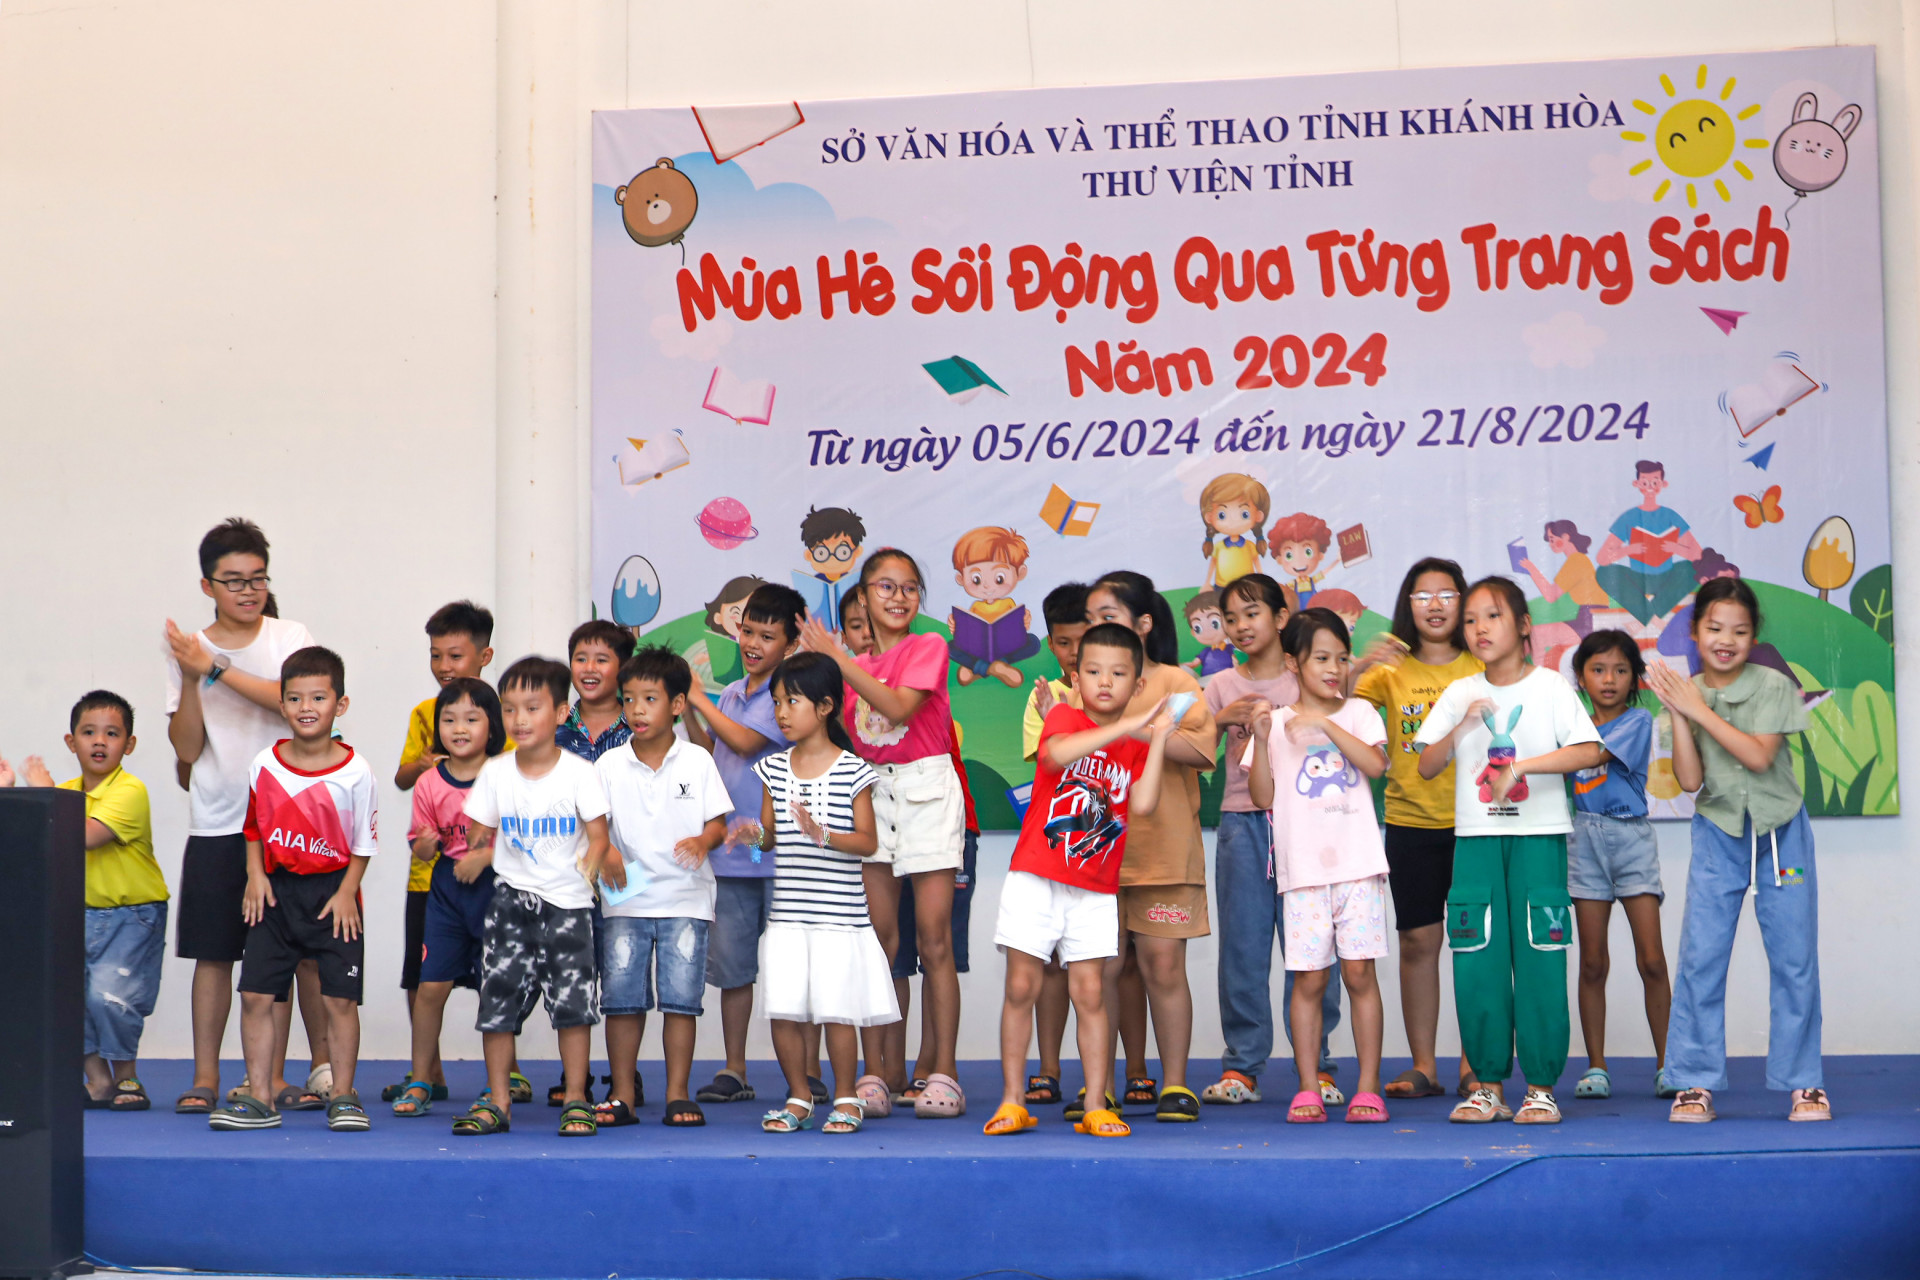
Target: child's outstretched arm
(1145, 797)
(1435, 756)
(897, 705)
(1062, 749)
(1581, 755)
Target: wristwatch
(219, 668)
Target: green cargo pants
(1510, 923)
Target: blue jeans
(1249, 923)
(125, 946)
(1788, 909)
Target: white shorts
(920, 816)
(814, 974)
(1043, 917)
(1349, 917)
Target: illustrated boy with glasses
(223, 710)
(834, 538)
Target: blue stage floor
(1614, 1191)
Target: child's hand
(1259, 716)
(344, 907)
(1385, 651)
(691, 852)
(698, 690)
(1238, 714)
(1043, 699)
(816, 638)
(613, 867)
(809, 827)
(194, 660)
(1477, 708)
(1306, 726)
(427, 847)
(37, 775)
(1504, 779)
(6, 773)
(1136, 726)
(258, 897)
(467, 870)
(1676, 693)
(745, 831)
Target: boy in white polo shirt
(667, 810)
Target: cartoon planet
(726, 523)
(636, 593)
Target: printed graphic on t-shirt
(873, 728)
(1412, 716)
(543, 838)
(301, 832)
(1501, 753)
(1588, 781)
(1083, 821)
(1325, 771)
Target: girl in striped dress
(824, 964)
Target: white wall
(321, 262)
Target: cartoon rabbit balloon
(1811, 154)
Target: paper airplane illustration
(1762, 458)
(652, 457)
(732, 130)
(739, 399)
(960, 378)
(1727, 321)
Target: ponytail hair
(815, 677)
(1136, 593)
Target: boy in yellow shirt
(126, 897)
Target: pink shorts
(1349, 918)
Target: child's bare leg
(1111, 1000)
(342, 1040)
(790, 1047)
(498, 1047)
(923, 1061)
(676, 1045)
(313, 1014)
(1050, 1018)
(576, 1062)
(1643, 917)
(1363, 998)
(1420, 995)
(896, 1033)
(1303, 1014)
(1163, 965)
(1024, 980)
(99, 1077)
(940, 981)
(257, 1035)
(1090, 985)
(843, 1047)
(1591, 919)
(736, 1011)
(212, 1005)
(430, 1071)
(811, 1031)
(276, 1080)
(623, 1053)
(883, 908)
(1130, 1016)
(429, 1016)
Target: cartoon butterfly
(1764, 509)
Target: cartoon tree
(1829, 560)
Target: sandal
(519, 1089)
(1043, 1090)
(129, 1095)
(614, 1114)
(1101, 1123)
(1077, 1109)
(818, 1088)
(1413, 1084)
(1142, 1091)
(912, 1092)
(786, 1120)
(197, 1101)
(244, 1112)
(727, 1086)
(941, 1099)
(292, 1099)
(416, 1098)
(1538, 1108)
(1810, 1104)
(1367, 1108)
(577, 1120)
(682, 1114)
(1466, 1087)
(346, 1115)
(1329, 1091)
(1307, 1108)
(1692, 1106)
(1178, 1105)
(1010, 1118)
(1661, 1089)
(1482, 1106)
(848, 1114)
(482, 1120)
(1232, 1087)
(875, 1098)
(1596, 1083)
(392, 1092)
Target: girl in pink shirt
(900, 715)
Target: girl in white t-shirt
(1311, 765)
(1509, 919)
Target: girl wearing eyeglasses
(901, 717)
(1403, 675)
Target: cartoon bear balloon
(1811, 154)
(658, 205)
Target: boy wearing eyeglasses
(834, 538)
(223, 710)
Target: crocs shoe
(1596, 1083)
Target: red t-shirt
(312, 823)
(1076, 827)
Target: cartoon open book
(739, 399)
(1782, 386)
(652, 457)
(823, 602)
(1649, 548)
(1354, 545)
(960, 378)
(732, 130)
(1067, 517)
(995, 641)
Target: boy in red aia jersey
(1094, 769)
(310, 830)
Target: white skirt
(814, 973)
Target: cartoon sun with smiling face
(1695, 138)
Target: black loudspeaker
(42, 956)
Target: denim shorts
(1609, 858)
(740, 907)
(637, 951)
(125, 946)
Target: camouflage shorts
(532, 948)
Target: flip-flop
(129, 1089)
(1307, 1108)
(1362, 1103)
(874, 1096)
(727, 1086)
(1596, 1083)
(1810, 1104)
(91, 1103)
(1413, 1084)
(912, 1092)
(1010, 1118)
(682, 1114)
(197, 1101)
(942, 1099)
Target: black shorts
(213, 883)
(533, 948)
(291, 930)
(1419, 873)
(413, 947)
(906, 961)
